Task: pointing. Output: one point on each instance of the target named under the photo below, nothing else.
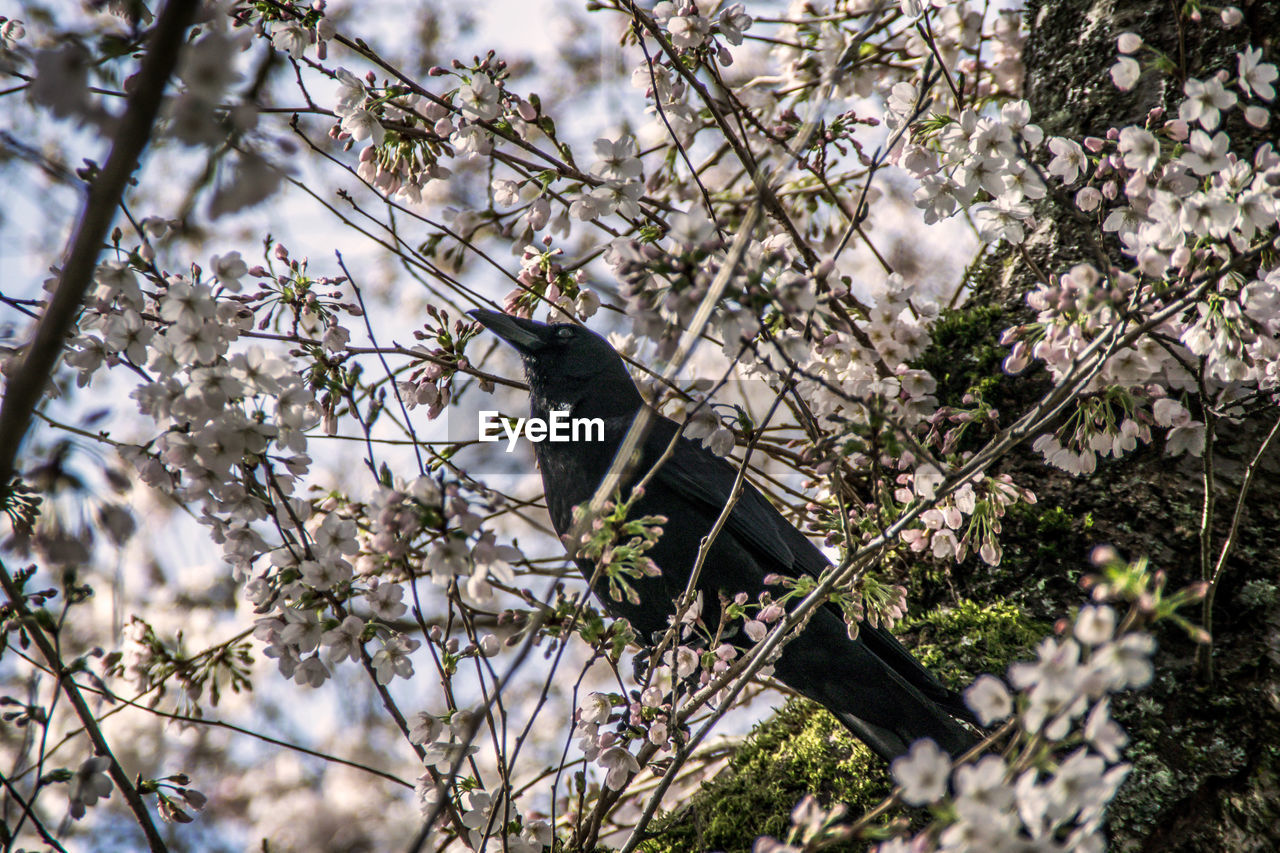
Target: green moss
(803, 749)
(960, 642)
(800, 750)
(965, 354)
(1052, 520)
(1055, 533)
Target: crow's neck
(584, 400)
(572, 470)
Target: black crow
(872, 684)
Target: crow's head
(567, 365)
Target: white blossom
(596, 709)
(1125, 73)
(1256, 76)
(424, 728)
(291, 37)
(343, 642)
(733, 22)
(393, 658)
(620, 764)
(1128, 42)
(1140, 148)
(989, 699)
(1068, 161)
(1095, 624)
(351, 91)
(922, 773)
(362, 124)
(480, 98)
(88, 784)
(384, 599)
(616, 159)
(1205, 100)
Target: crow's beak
(527, 336)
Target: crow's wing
(702, 476)
(884, 644)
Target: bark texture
(1204, 751)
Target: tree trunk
(1204, 750)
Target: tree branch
(23, 391)
(27, 384)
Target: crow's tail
(875, 687)
(885, 710)
(892, 742)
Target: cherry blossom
(292, 38)
(1125, 73)
(922, 773)
(88, 784)
(1205, 99)
(249, 368)
(1256, 76)
(989, 699)
(393, 658)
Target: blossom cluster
(995, 800)
(1186, 212)
(1063, 761)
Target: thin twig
(1205, 651)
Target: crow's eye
(564, 333)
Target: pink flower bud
(1104, 555)
(1128, 42)
(1017, 359)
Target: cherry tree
(984, 297)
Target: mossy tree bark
(1206, 750)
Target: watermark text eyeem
(558, 426)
